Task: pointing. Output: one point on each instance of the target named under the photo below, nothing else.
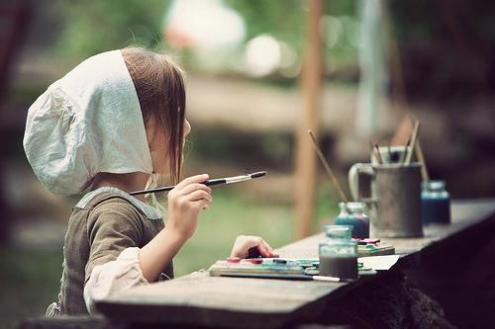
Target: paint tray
(268, 268)
(375, 249)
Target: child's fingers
(245, 242)
(191, 180)
(201, 204)
(269, 249)
(263, 250)
(263, 247)
(266, 245)
(199, 195)
(195, 187)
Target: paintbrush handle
(404, 155)
(327, 167)
(210, 182)
(378, 154)
(413, 143)
(153, 190)
(421, 158)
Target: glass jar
(435, 203)
(338, 253)
(353, 214)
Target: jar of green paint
(338, 253)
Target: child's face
(158, 145)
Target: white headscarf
(87, 122)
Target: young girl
(110, 126)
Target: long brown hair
(159, 84)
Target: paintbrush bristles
(329, 171)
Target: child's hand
(184, 203)
(243, 243)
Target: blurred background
(369, 64)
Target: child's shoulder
(109, 200)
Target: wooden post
(305, 178)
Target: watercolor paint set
(274, 268)
(373, 247)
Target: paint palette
(368, 248)
(272, 268)
(266, 268)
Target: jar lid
(434, 185)
(338, 231)
(356, 206)
(343, 206)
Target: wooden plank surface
(198, 299)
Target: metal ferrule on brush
(237, 179)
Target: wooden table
(200, 300)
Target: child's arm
(184, 203)
(114, 233)
(116, 263)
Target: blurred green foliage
(29, 280)
(283, 19)
(92, 26)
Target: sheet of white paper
(379, 263)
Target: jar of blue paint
(353, 214)
(435, 203)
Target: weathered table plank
(198, 299)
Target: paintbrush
(327, 167)
(406, 147)
(414, 137)
(375, 149)
(421, 159)
(211, 182)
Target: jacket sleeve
(115, 234)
